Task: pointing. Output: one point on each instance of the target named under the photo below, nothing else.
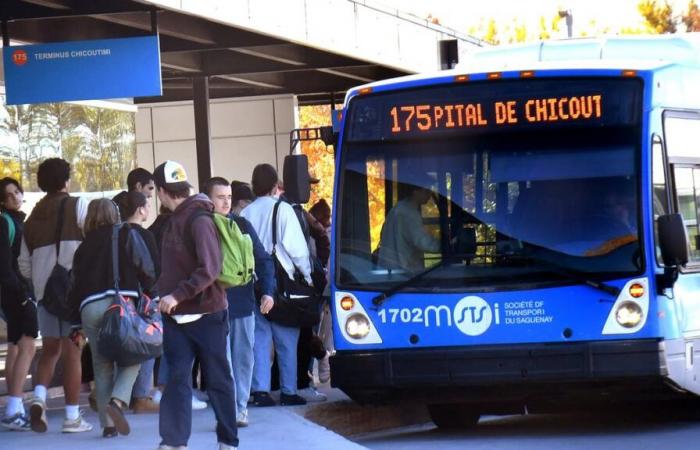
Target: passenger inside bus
(404, 240)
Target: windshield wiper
(575, 275)
(378, 299)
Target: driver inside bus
(404, 240)
(619, 209)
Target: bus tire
(453, 415)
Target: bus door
(681, 130)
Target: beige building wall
(244, 132)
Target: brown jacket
(38, 252)
(190, 276)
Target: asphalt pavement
(649, 430)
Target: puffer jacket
(92, 276)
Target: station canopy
(239, 62)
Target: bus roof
(613, 53)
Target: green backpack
(11, 231)
(236, 249)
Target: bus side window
(687, 184)
(681, 130)
(660, 197)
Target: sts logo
(472, 315)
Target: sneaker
(310, 394)
(262, 399)
(18, 422)
(198, 404)
(172, 447)
(114, 411)
(242, 419)
(291, 400)
(109, 432)
(144, 406)
(78, 425)
(226, 447)
(37, 415)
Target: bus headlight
(357, 326)
(628, 314)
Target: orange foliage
(322, 166)
(321, 160)
(376, 171)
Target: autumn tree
(321, 159)
(691, 19)
(661, 18)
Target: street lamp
(569, 21)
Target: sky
(465, 15)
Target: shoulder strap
(115, 256)
(11, 230)
(189, 237)
(59, 225)
(241, 222)
(274, 226)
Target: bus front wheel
(453, 415)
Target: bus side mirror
(296, 179)
(673, 240)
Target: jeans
(242, 338)
(144, 381)
(205, 338)
(107, 384)
(285, 339)
(163, 372)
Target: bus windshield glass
(502, 184)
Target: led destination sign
(533, 104)
(429, 117)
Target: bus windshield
(493, 206)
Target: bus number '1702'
(428, 316)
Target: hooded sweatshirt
(38, 252)
(189, 276)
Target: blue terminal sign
(82, 70)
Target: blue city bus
(555, 260)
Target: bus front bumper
(571, 362)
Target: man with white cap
(194, 311)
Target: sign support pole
(5, 34)
(200, 96)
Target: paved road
(550, 432)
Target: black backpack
(57, 286)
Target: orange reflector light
(629, 73)
(527, 74)
(339, 115)
(366, 90)
(347, 303)
(462, 78)
(636, 290)
(494, 75)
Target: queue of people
(176, 262)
